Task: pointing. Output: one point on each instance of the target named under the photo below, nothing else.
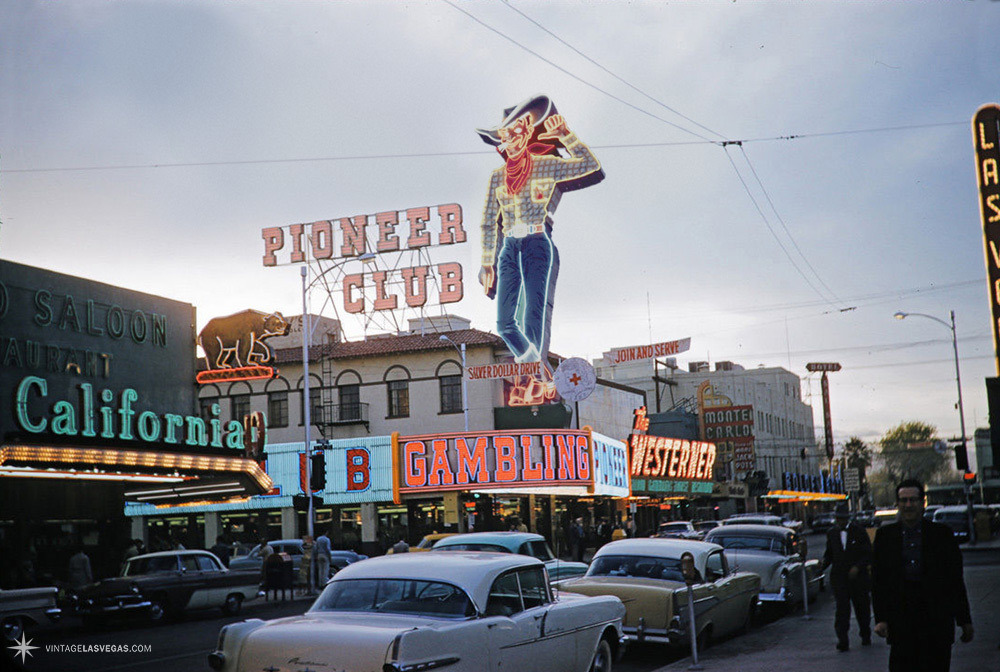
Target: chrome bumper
(53, 614)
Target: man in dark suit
(849, 552)
(918, 588)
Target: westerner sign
(660, 457)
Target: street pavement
(776, 644)
(791, 644)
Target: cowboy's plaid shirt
(530, 210)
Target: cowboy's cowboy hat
(540, 107)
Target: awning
(800, 496)
(159, 477)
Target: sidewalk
(791, 644)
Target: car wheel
(13, 628)
(751, 612)
(602, 658)
(233, 604)
(157, 609)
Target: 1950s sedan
(166, 583)
(26, 606)
(646, 575)
(772, 553)
(464, 611)
(524, 543)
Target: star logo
(23, 649)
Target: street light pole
(307, 412)
(900, 315)
(465, 395)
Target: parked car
(772, 553)
(293, 547)
(168, 582)
(929, 511)
(22, 607)
(677, 529)
(703, 526)
(646, 575)
(791, 523)
(427, 543)
(466, 612)
(957, 518)
(823, 522)
(523, 543)
(753, 519)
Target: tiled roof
(391, 345)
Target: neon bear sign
(520, 261)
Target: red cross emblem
(575, 379)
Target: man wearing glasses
(918, 589)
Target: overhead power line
(427, 155)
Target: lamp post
(465, 397)
(900, 315)
(365, 258)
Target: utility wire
(423, 155)
(620, 79)
(570, 74)
(783, 226)
(770, 228)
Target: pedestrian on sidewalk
(918, 588)
(323, 556)
(849, 553)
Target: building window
(205, 408)
(240, 406)
(277, 409)
(350, 402)
(399, 398)
(315, 407)
(451, 394)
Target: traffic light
(961, 458)
(969, 477)
(301, 504)
(317, 471)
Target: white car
(772, 553)
(420, 611)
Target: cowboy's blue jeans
(526, 274)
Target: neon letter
(415, 472)
(506, 463)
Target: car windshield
(151, 565)
(491, 548)
(749, 543)
(639, 566)
(396, 596)
(951, 516)
(536, 549)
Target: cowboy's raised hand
(555, 127)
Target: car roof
(735, 520)
(474, 572)
(660, 547)
(750, 530)
(510, 540)
(161, 554)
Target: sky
(781, 177)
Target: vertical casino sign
(985, 127)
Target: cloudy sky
(146, 144)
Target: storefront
(543, 478)
(671, 478)
(97, 406)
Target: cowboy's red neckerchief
(518, 170)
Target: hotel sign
(986, 140)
